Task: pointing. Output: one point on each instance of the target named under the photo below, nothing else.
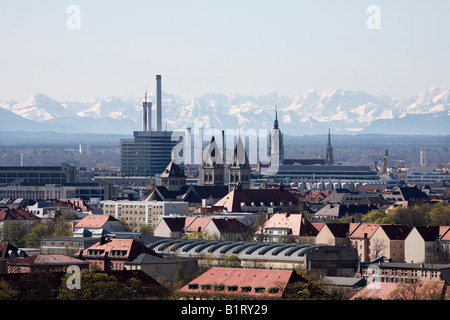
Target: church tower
(276, 147)
(212, 170)
(239, 170)
(329, 153)
(173, 177)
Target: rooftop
(95, 221)
(249, 282)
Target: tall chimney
(149, 116)
(158, 114)
(146, 114)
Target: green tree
(377, 217)
(347, 218)
(231, 262)
(439, 214)
(6, 292)
(180, 276)
(147, 229)
(199, 235)
(62, 227)
(94, 286)
(15, 232)
(417, 290)
(412, 216)
(38, 232)
(36, 285)
(286, 238)
(126, 227)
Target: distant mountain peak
(345, 111)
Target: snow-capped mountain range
(344, 111)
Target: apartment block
(140, 213)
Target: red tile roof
(444, 233)
(424, 289)
(379, 290)
(364, 230)
(298, 224)
(240, 278)
(16, 214)
(232, 201)
(47, 259)
(131, 247)
(197, 224)
(95, 221)
(318, 225)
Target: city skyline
(76, 50)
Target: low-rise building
(389, 241)
(171, 227)
(66, 245)
(8, 252)
(95, 222)
(45, 263)
(394, 272)
(424, 245)
(87, 191)
(156, 267)
(426, 174)
(19, 215)
(112, 254)
(360, 240)
(137, 214)
(421, 290)
(337, 211)
(254, 283)
(320, 258)
(405, 194)
(42, 209)
(260, 200)
(285, 225)
(336, 234)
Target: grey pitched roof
(345, 281)
(173, 171)
(413, 193)
(145, 258)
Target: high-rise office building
(149, 152)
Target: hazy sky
(114, 48)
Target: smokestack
(149, 116)
(158, 114)
(146, 114)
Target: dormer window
(259, 289)
(273, 290)
(232, 288)
(193, 286)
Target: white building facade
(423, 175)
(139, 213)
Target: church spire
(329, 139)
(275, 124)
(329, 154)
